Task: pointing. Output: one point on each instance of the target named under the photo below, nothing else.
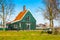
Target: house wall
(13, 26)
(24, 26)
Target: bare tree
(6, 9)
(52, 11)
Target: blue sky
(33, 6)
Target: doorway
(28, 26)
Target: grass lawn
(27, 35)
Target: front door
(28, 26)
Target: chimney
(24, 8)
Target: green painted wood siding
(32, 19)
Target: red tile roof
(20, 15)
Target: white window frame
(19, 24)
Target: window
(15, 26)
(28, 18)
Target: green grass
(27, 35)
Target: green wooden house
(23, 21)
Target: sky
(32, 6)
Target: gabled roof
(20, 16)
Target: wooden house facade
(23, 21)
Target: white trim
(21, 18)
(27, 25)
(19, 24)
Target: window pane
(28, 18)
